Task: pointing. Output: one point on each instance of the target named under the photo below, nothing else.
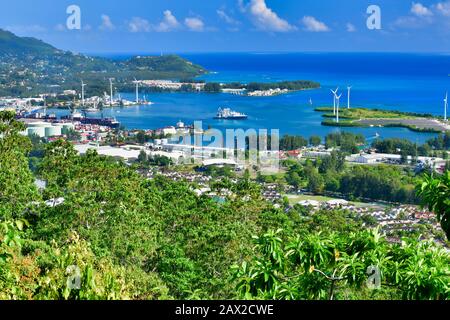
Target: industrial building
(128, 153)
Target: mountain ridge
(10, 41)
(29, 66)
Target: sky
(150, 26)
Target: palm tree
(435, 194)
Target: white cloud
(26, 29)
(350, 27)
(443, 8)
(419, 17)
(107, 24)
(241, 6)
(225, 17)
(314, 25)
(408, 22)
(138, 24)
(265, 18)
(420, 10)
(60, 27)
(169, 22)
(194, 24)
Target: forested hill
(14, 45)
(29, 66)
(131, 237)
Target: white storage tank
(39, 131)
(38, 124)
(67, 127)
(52, 131)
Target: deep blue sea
(406, 82)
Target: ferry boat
(228, 114)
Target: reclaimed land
(363, 117)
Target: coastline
(369, 118)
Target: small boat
(146, 102)
(93, 109)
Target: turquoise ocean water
(406, 82)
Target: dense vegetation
(354, 143)
(29, 66)
(345, 141)
(260, 86)
(435, 193)
(330, 175)
(289, 85)
(363, 117)
(132, 238)
(365, 113)
(335, 266)
(288, 143)
(11, 44)
(435, 147)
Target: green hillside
(131, 237)
(29, 66)
(12, 44)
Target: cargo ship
(228, 114)
(107, 122)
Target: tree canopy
(118, 235)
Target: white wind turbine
(111, 91)
(45, 105)
(349, 88)
(445, 106)
(137, 90)
(338, 98)
(82, 92)
(334, 99)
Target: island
(253, 89)
(364, 117)
(29, 66)
(262, 89)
